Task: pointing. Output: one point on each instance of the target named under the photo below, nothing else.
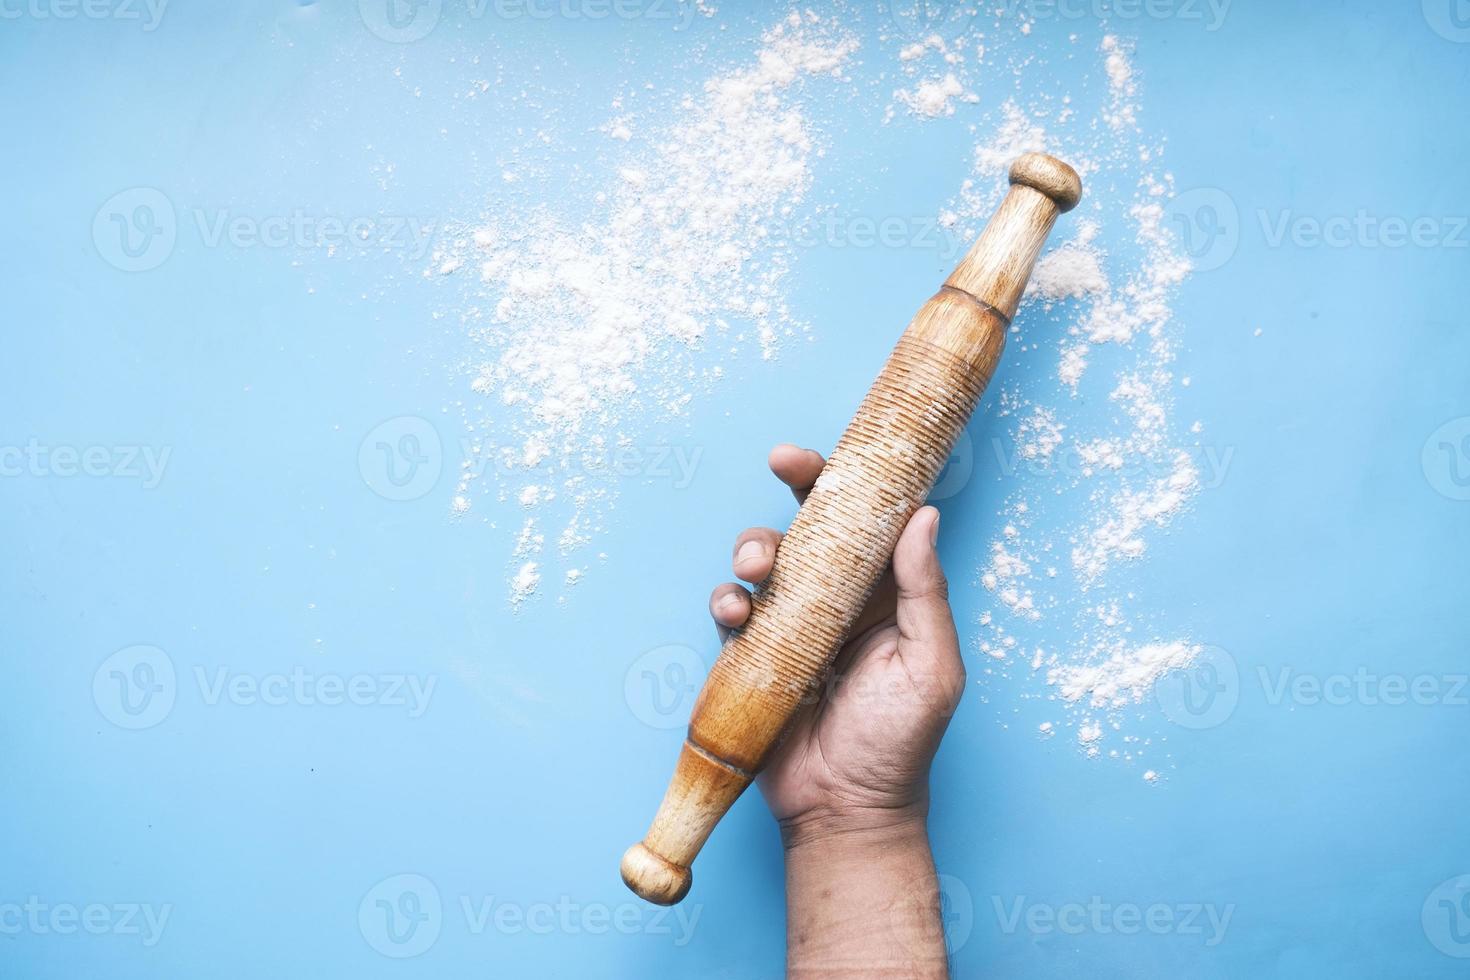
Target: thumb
(927, 638)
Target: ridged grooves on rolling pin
(844, 535)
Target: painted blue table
(268, 714)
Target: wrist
(856, 827)
(862, 896)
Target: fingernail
(727, 602)
(934, 531)
(749, 550)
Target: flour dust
(586, 332)
(1116, 477)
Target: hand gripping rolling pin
(845, 533)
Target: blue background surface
(1335, 543)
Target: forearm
(862, 900)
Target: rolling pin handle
(1050, 176)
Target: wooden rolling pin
(844, 535)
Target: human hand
(857, 760)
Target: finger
(927, 642)
(797, 468)
(755, 552)
(729, 607)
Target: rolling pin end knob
(653, 878)
(1050, 176)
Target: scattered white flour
(934, 97)
(931, 44)
(1039, 434)
(587, 329)
(1126, 676)
(1122, 111)
(1118, 477)
(1130, 512)
(1072, 271)
(1017, 134)
(591, 324)
(525, 581)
